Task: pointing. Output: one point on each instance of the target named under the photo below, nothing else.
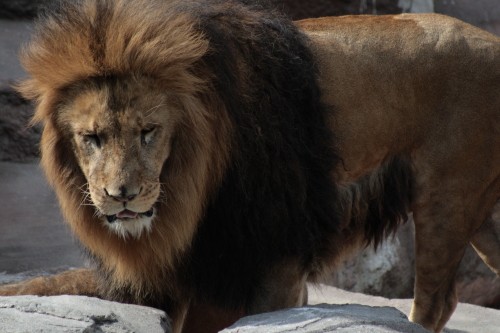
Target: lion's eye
(147, 135)
(92, 139)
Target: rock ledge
(328, 318)
(58, 314)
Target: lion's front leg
(72, 282)
(203, 317)
(284, 286)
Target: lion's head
(121, 133)
(134, 138)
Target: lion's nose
(121, 194)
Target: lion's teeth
(127, 214)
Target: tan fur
(424, 86)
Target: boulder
(347, 312)
(77, 314)
(389, 272)
(467, 318)
(328, 318)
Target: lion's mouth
(128, 214)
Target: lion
(212, 156)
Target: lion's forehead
(112, 111)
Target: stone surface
(14, 9)
(77, 314)
(467, 318)
(390, 272)
(32, 233)
(328, 318)
(363, 314)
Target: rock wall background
(388, 272)
(15, 9)
(18, 140)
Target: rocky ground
(34, 240)
(345, 312)
(328, 318)
(64, 314)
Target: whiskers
(151, 185)
(162, 196)
(86, 198)
(153, 109)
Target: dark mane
(277, 198)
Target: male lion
(211, 155)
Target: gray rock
(390, 272)
(77, 314)
(467, 318)
(328, 318)
(363, 314)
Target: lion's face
(121, 133)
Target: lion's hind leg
(73, 282)
(435, 296)
(445, 223)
